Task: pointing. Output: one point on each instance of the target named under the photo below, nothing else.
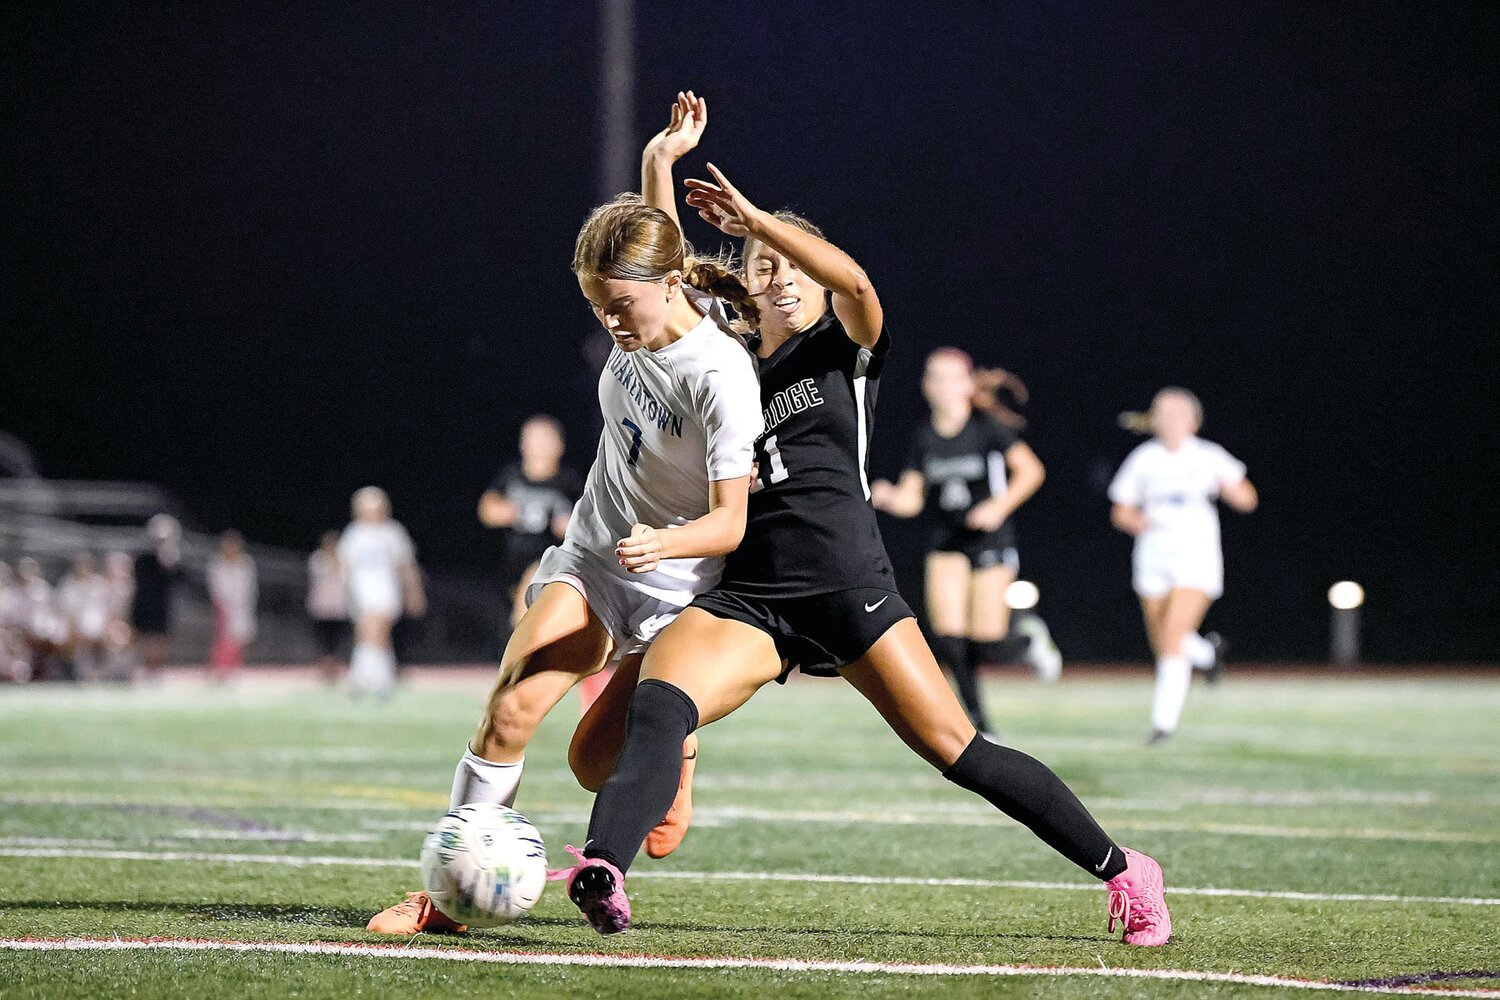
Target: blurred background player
(973, 471)
(157, 572)
(380, 570)
(327, 605)
(15, 657)
(233, 591)
(533, 498)
(1163, 496)
(83, 601)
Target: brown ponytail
(715, 275)
(989, 383)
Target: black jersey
(537, 502)
(810, 528)
(964, 470)
(151, 606)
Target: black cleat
(1215, 672)
(1157, 736)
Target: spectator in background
(327, 605)
(42, 627)
(157, 573)
(119, 588)
(533, 498)
(380, 569)
(15, 656)
(83, 601)
(233, 592)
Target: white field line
(274, 836)
(938, 815)
(1183, 798)
(313, 860)
(406, 953)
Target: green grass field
(281, 812)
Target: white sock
(372, 669)
(1198, 650)
(480, 780)
(1173, 674)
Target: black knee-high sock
(1026, 790)
(952, 651)
(639, 793)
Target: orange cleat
(669, 832)
(413, 915)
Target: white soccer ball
(484, 865)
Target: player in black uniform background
(533, 498)
(973, 472)
(811, 586)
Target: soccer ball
(484, 865)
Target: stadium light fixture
(1346, 595)
(1022, 595)
(1346, 598)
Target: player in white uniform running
(663, 504)
(1164, 496)
(380, 569)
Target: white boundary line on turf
(686, 962)
(314, 860)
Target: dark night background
(265, 256)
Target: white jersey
(373, 554)
(234, 590)
(675, 419)
(1177, 491)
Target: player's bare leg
(948, 612)
(989, 615)
(557, 641)
(901, 679)
(372, 662)
(1177, 615)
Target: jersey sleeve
(728, 400)
(1129, 486)
(502, 481)
(916, 453)
(568, 489)
(404, 550)
(1228, 470)
(1001, 436)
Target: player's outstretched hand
(689, 117)
(721, 205)
(641, 552)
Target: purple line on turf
(1419, 978)
(211, 817)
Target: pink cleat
(1138, 899)
(598, 889)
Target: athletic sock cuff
(679, 694)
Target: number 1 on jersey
(779, 473)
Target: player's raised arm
(855, 303)
(689, 117)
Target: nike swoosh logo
(1107, 855)
(872, 607)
